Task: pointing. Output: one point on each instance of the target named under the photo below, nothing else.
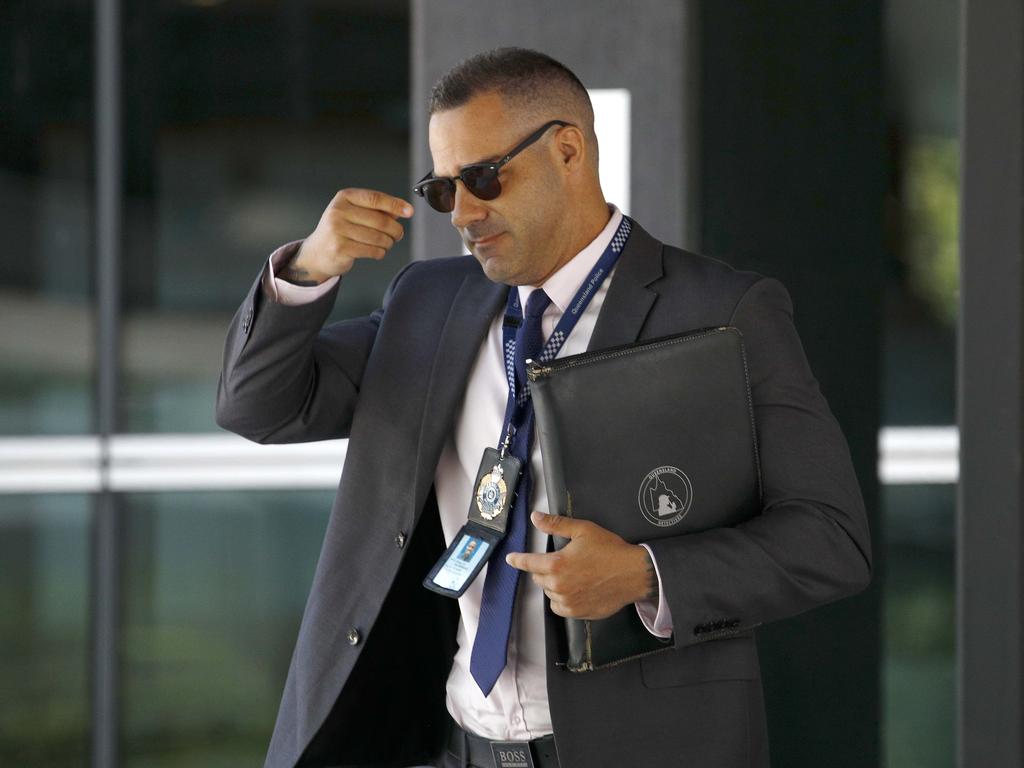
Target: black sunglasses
(480, 178)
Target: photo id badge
(461, 562)
(493, 494)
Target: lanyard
(516, 404)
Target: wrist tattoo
(297, 276)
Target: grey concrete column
(990, 535)
(644, 46)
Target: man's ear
(571, 147)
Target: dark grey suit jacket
(366, 681)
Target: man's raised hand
(357, 224)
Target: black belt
(478, 752)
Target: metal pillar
(990, 534)
(105, 553)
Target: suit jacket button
(353, 636)
(400, 539)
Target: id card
(461, 563)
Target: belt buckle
(512, 754)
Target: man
(423, 385)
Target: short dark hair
(520, 75)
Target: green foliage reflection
(931, 195)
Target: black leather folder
(647, 440)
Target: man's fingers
(559, 525)
(373, 199)
(561, 609)
(356, 224)
(369, 218)
(356, 250)
(532, 562)
(369, 236)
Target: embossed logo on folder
(665, 496)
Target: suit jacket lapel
(629, 300)
(474, 306)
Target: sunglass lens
(482, 181)
(439, 194)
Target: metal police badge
(665, 496)
(491, 493)
(496, 482)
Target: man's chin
(496, 269)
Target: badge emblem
(665, 496)
(491, 493)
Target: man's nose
(468, 209)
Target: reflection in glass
(46, 345)
(214, 585)
(44, 641)
(243, 123)
(921, 306)
(919, 625)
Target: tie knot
(537, 303)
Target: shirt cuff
(289, 294)
(658, 621)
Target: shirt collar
(562, 286)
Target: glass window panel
(919, 384)
(215, 584)
(46, 201)
(44, 640)
(243, 120)
(921, 301)
(919, 629)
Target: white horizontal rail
(918, 455)
(180, 462)
(220, 461)
(164, 462)
(50, 464)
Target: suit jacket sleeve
(285, 377)
(810, 544)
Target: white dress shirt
(517, 707)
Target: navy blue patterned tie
(491, 644)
